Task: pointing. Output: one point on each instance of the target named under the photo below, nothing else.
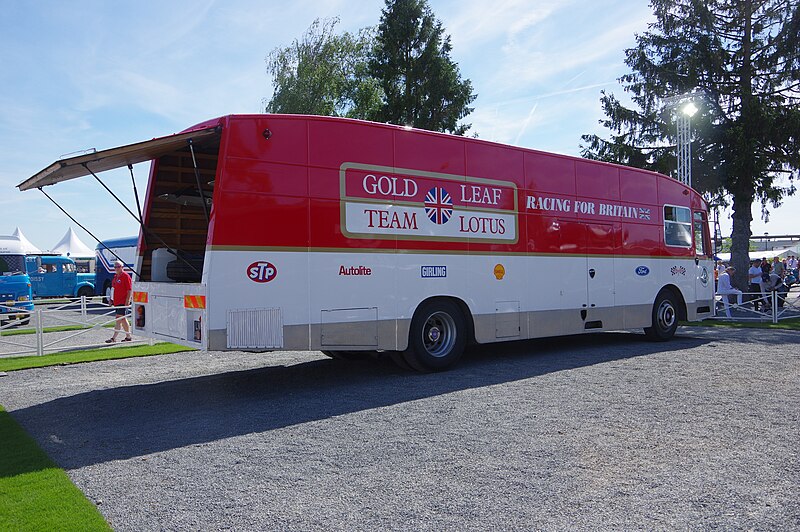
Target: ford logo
(642, 270)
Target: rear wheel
(400, 360)
(665, 317)
(85, 291)
(438, 336)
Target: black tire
(400, 360)
(85, 291)
(665, 318)
(349, 356)
(437, 337)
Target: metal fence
(758, 306)
(41, 331)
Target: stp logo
(262, 271)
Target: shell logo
(499, 271)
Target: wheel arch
(81, 286)
(679, 299)
(462, 306)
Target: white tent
(27, 246)
(768, 254)
(71, 246)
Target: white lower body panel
(351, 300)
(172, 312)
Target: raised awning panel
(111, 158)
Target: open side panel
(119, 157)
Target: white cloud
(472, 23)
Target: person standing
(754, 278)
(791, 265)
(777, 267)
(121, 299)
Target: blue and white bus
(107, 252)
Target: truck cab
(16, 297)
(57, 276)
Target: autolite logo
(262, 271)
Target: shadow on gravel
(113, 424)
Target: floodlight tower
(685, 110)
(684, 122)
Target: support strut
(90, 233)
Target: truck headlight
(23, 298)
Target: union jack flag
(644, 214)
(438, 205)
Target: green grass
(60, 328)
(35, 494)
(788, 325)
(92, 355)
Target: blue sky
(97, 74)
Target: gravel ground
(602, 431)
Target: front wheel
(438, 336)
(665, 318)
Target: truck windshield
(11, 264)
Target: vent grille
(255, 329)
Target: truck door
(51, 281)
(599, 272)
(69, 274)
(704, 274)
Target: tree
(743, 57)
(422, 85)
(324, 74)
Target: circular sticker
(262, 271)
(499, 271)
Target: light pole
(684, 122)
(685, 109)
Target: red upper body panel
(286, 181)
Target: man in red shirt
(121, 288)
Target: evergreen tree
(743, 58)
(324, 74)
(422, 85)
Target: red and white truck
(268, 232)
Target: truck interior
(176, 221)
(177, 212)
